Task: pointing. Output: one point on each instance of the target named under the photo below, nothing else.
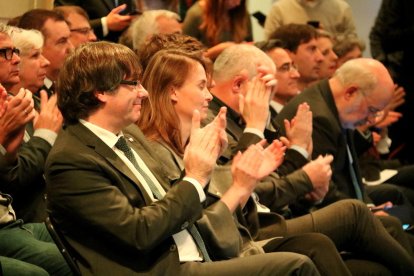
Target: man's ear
(350, 92)
(101, 96)
(237, 83)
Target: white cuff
(254, 131)
(105, 30)
(46, 134)
(198, 187)
(301, 150)
(2, 150)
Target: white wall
(365, 12)
(264, 7)
(10, 8)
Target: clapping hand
(205, 147)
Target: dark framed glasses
(134, 83)
(130, 82)
(83, 31)
(8, 52)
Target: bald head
(238, 58)
(370, 75)
(233, 70)
(361, 88)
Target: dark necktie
(123, 146)
(354, 178)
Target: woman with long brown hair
(216, 21)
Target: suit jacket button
(185, 225)
(173, 247)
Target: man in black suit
(339, 105)
(358, 90)
(56, 46)
(108, 17)
(106, 201)
(233, 74)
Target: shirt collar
(48, 83)
(276, 106)
(106, 136)
(231, 113)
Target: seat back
(62, 245)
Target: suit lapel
(93, 142)
(148, 152)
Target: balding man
(234, 74)
(352, 97)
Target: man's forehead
(5, 41)
(280, 56)
(55, 28)
(77, 21)
(310, 44)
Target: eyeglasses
(8, 52)
(134, 83)
(287, 67)
(372, 111)
(84, 31)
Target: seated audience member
(107, 18)
(119, 218)
(169, 94)
(301, 43)
(149, 23)
(213, 22)
(160, 80)
(287, 74)
(325, 45)
(374, 160)
(57, 45)
(25, 249)
(293, 159)
(78, 21)
(33, 65)
(334, 16)
(248, 123)
(22, 177)
(348, 47)
(176, 41)
(218, 24)
(351, 98)
(232, 78)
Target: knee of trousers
(392, 224)
(318, 240)
(354, 207)
(304, 266)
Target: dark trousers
(352, 227)
(31, 243)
